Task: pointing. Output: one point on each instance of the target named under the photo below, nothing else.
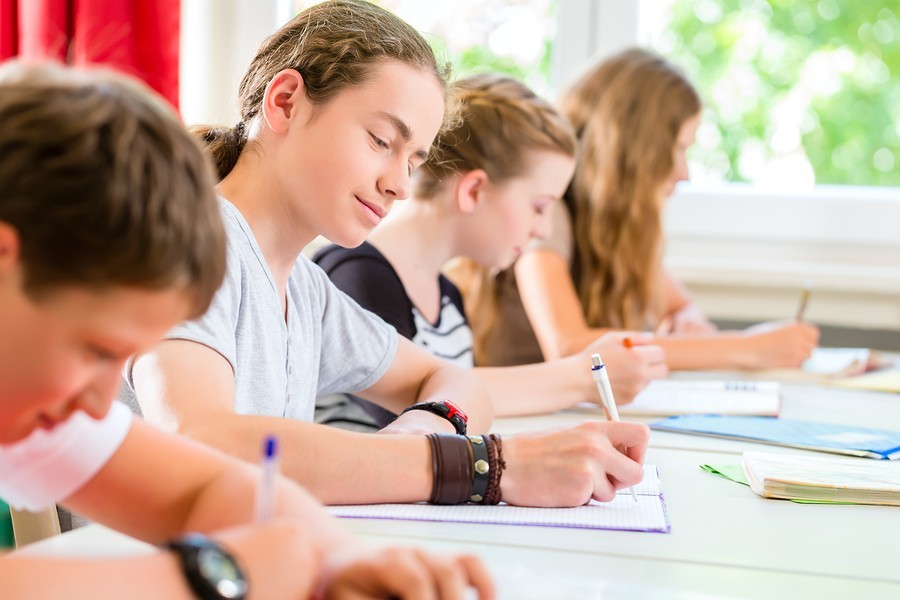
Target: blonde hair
(627, 112)
(332, 45)
(500, 121)
(104, 186)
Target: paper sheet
(878, 381)
(837, 362)
(623, 513)
(679, 397)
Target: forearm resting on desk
(152, 577)
(335, 466)
(763, 346)
(277, 558)
(535, 389)
(417, 376)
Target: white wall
(746, 254)
(218, 39)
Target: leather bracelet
(435, 468)
(451, 468)
(497, 464)
(481, 468)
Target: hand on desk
(630, 368)
(571, 466)
(688, 321)
(780, 344)
(277, 558)
(405, 573)
(280, 562)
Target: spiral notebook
(667, 397)
(622, 513)
(810, 435)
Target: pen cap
(270, 447)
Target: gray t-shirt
(327, 344)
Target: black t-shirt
(364, 274)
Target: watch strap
(188, 549)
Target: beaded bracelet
(496, 465)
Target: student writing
(338, 108)
(109, 235)
(635, 116)
(484, 192)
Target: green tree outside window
(796, 90)
(514, 37)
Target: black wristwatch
(211, 571)
(446, 409)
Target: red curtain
(138, 37)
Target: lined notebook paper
(623, 513)
(677, 397)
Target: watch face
(221, 573)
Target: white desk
(803, 401)
(725, 540)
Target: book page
(805, 478)
(879, 381)
(623, 513)
(677, 397)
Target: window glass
(504, 36)
(798, 92)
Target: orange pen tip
(627, 342)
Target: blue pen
(265, 493)
(598, 371)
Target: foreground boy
(109, 235)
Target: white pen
(601, 378)
(265, 493)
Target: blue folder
(824, 437)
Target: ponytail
(222, 144)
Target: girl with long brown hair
(635, 116)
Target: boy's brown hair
(104, 186)
(333, 45)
